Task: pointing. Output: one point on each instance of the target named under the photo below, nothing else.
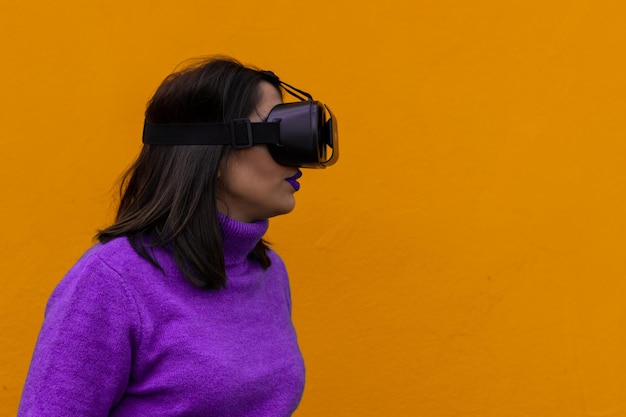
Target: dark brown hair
(169, 194)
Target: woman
(182, 309)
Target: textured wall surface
(464, 258)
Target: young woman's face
(252, 186)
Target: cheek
(252, 171)
(262, 172)
(245, 182)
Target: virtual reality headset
(300, 134)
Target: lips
(293, 180)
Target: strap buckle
(238, 128)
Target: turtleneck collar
(240, 238)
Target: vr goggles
(301, 134)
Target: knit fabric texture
(123, 338)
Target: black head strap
(289, 88)
(240, 133)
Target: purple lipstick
(293, 180)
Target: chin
(284, 210)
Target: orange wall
(466, 256)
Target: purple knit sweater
(122, 338)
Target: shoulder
(102, 272)
(280, 278)
(114, 258)
(275, 257)
(94, 292)
(113, 253)
(277, 270)
(277, 263)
